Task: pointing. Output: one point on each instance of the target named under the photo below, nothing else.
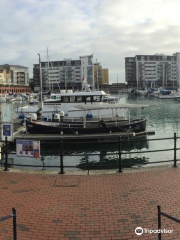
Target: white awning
(110, 106)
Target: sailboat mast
(48, 69)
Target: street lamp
(40, 79)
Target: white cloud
(111, 29)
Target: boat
(46, 127)
(66, 102)
(3, 98)
(111, 99)
(61, 125)
(14, 98)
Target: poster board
(28, 148)
(7, 131)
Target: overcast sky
(110, 29)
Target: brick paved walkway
(89, 207)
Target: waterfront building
(87, 70)
(97, 75)
(156, 70)
(105, 76)
(14, 75)
(14, 79)
(68, 73)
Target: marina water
(163, 117)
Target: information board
(7, 131)
(28, 148)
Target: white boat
(3, 98)
(141, 92)
(66, 102)
(170, 96)
(177, 96)
(111, 99)
(18, 98)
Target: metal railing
(160, 213)
(119, 166)
(13, 215)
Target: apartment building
(67, 74)
(14, 75)
(156, 70)
(105, 76)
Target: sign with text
(28, 148)
(7, 131)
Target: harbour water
(163, 117)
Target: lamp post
(40, 80)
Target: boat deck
(112, 137)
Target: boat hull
(40, 127)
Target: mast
(48, 70)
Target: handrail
(119, 153)
(13, 215)
(159, 220)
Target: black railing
(13, 215)
(159, 220)
(119, 165)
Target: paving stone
(90, 207)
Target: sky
(109, 29)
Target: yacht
(66, 102)
(3, 98)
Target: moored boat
(89, 125)
(66, 101)
(3, 98)
(46, 127)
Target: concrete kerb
(91, 172)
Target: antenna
(48, 69)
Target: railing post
(6, 155)
(120, 158)
(86, 163)
(159, 222)
(175, 159)
(14, 224)
(61, 157)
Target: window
(88, 99)
(72, 99)
(65, 99)
(79, 99)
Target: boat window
(79, 99)
(88, 99)
(53, 97)
(96, 98)
(72, 99)
(65, 99)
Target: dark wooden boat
(93, 127)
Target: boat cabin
(76, 97)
